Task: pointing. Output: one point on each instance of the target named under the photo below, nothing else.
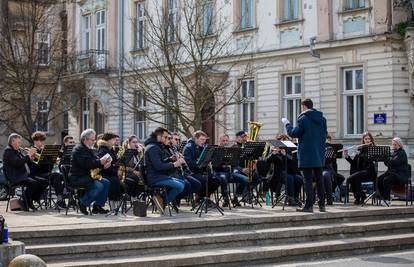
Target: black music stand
(48, 157)
(67, 153)
(182, 145)
(226, 156)
(378, 154)
(204, 161)
(252, 151)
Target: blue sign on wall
(380, 118)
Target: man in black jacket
(17, 170)
(84, 160)
(158, 171)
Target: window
(208, 17)
(140, 25)
(43, 46)
(248, 103)
(353, 91)
(170, 116)
(42, 122)
(85, 113)
(140, 116)
(292, 96)
(100, 30)
(86, 44)
(354, 4)
(246, 14)
(290, 10)
(172, 21)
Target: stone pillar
(409, 44)
(10, 251)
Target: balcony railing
(90, 61)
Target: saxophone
(95, 174)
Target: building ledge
(289, 22)
(354, 11)
(139, 51)
(245, 31)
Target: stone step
(178, 226)
(244, 256)
(203, 241)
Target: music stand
(182, 145)
(67, 153)
(252, 151)
(48, 157)
(204, 161)
(377, 154)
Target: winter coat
(15, 165)
(311, 132)
(83, 160)
(156, 169)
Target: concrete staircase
(225, 242)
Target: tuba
(254, 128)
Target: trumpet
(36, 156)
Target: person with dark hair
(83, 161)
(42, 171)
(17, 170)
(157, 170)
(192, 152)
(397, 173)
(362, 169)
(311, 131)
(106, 146)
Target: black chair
(12, 190)
(406, 188)
(73, 193)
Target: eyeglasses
(169, 138)
(177, 139)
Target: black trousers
(35, 187)
(213, 184)
(309, 175)
(116, 188)
(385, 183)
(132, 186)
(355, 180)
(57, 183)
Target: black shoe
(102, 210)
(329, 202)
(95, 209)
(83, 209)
(235, 202)
(31, 206)
(226, 202)
(322, 209)
(305, 209)
(357, 202)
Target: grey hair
(12, 137)
(87, 134)
(398, 141)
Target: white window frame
(140, 125)
(86, 32)
(140, 24)
(40, 41)
(247, 14)
(42, 111)
(291, 10)
(248, 102)
(355, 93)
(86, 108)
(208, 17)
(354, 4)
(100, 30)
(294, 96)
(172, 17)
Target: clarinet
(184, 168)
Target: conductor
(311, 132)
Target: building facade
(343, 54)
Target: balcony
(90, 61)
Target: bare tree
(32, 62)
(185, 55)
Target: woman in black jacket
(105, 146)
(362, 170)
(397, 173)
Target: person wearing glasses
(83, 160)
(158, 171)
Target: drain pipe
(121, 8)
